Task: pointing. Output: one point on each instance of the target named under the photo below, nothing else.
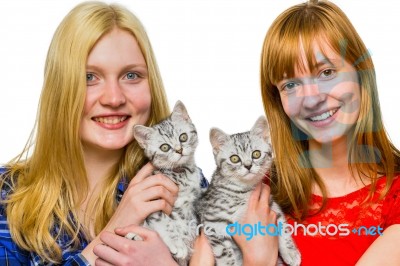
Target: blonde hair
(49, 185)
(371, 151)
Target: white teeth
(323, 116)
(110, 120)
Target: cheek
(349, 94)
(291, 105)
(141, 100)
(90, 100)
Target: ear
(180, 111)
(142, 134)
(261, 128)
(218, 138)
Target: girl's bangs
(286, 47)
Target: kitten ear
(218, 138)
(180, 112)
(261, 128)
(142, 134)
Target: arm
(260, 250)
(145, 194)
(385, 250)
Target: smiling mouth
(111, 120)
(323, 116)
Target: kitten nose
(248, 166)
(179, 150)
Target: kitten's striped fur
(242, 160)
(170, 146)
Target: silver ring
(133, 236)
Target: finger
(168, 183)
(203, 254)
(119, 244)
(264, 197)
(158, 205)
(144, 172)
(272, 216)
(156, 193)
(156, 180)
(107, 255)
(254, 197)
(144, 233)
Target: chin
(103, 147)
(331, 137)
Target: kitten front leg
(287, 248)
(172, 234)
(175, 240)
(226, 253)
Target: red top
(344, 244)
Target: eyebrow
(127, 67)
(324, 61)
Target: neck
(98, 164)
(330, 161)
(332, 155)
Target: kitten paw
(292, 257)
(173, 250)
(181, 253)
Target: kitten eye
(165, 147)
(235, 159)
(183, 137)
(256, 154)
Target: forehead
(115, 48)
(319, 54)
(303, 56)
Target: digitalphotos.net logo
(251, 230)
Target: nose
(312, 96)
(179, 150)
(248, 166)
(112, 95)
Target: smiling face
(118, 93)
(323, 102)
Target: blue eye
(89, 77)
(290, 86)
(132, 75)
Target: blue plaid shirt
(11, 254)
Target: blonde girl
(85, 174)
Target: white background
(208, 53)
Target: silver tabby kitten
(170, 145)
(242, 160)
